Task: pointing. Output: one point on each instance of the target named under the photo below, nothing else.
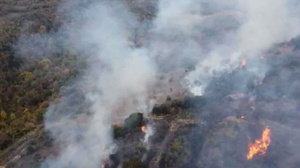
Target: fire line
(260, 146)
(143, 128)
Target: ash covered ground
(208, 123)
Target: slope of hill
(211, 131)
(28, 83)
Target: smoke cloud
(200, 38)
(267, 23)
(261, 25)
(113, 86)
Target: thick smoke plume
(113, 86)
(261, 25)
(199, 38)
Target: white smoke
(149, 131)
(267, 22)
(114, 85)
(174, 27)
(119, 76)
(264, 24)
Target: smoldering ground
(206, 41)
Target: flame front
(243, 64)
(260, 146)
(143, 128)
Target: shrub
(39, 113)
(12, 116)
(134, 163)
(27, 76)
(42, 29)
(3, 115)
(118, 131)
(176, 145)
(133, 121)
(161, 109)
(44, 64)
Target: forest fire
(243, 64)
(143, 128)
(260, 146)
(104, 162)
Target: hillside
(62, 106)
(205, 131)
(28, 83)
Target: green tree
(12, 116)
(27, 76)
(44, 64)
(3, 115)
(42, 29)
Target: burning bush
(135, 120)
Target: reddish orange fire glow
(243, 64)
(260, 146)
(104, 163)
(143, 128)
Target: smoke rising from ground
(210, 36)
(114, 85)
(262, 24)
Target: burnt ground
(207, 131)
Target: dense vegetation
(28, 83)
(26, 93)
(31, 79)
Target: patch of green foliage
(140, 150)
(118, 131)
(161, 110)
(8, 32)
(135, 120)
(134, 163)
(176, 145)
(27, 85)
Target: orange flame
(104, 163)
(143, 128)
(260, 146)
(243, 64)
